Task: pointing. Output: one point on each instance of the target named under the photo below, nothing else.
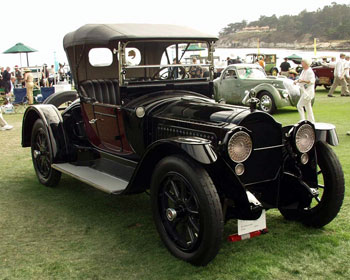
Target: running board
(93, 177)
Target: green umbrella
(21, 48)
(295, 58)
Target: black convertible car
(144, 120)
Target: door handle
(92, 121)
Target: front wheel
(274, 72)
(267, 103)
(186, 210)
(324, 207)
(42, 155)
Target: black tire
(274, 72)
(59, 98)
(327, 87)
(265, 98)
(42, 155)
(333, 191)
(197, 208)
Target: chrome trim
(267, 148)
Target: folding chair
(46, 92)
(20, 103)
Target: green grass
(76, 232)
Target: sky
(43, 24)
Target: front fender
(53, 122)
(197, 148)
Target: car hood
(190, 107)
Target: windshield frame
(123, 66)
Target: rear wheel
(187, 210)
(325, 207)
(267, 103)
(327, 87)
(42, 155)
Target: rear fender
(53, 124)
(279, 100)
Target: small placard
(247, 226)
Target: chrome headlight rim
(304, 128)
(241, 136)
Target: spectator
(3, 124)
(6, 78)
(332, 63)
(195, 71)
(285, 66)
(18, 76)
(339, 79)
(52, 74)
(61, 72)
(229, 61)
(262, 62)
(293, 75)
(347, 71)
(29, 80)
(306, 82)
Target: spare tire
(59, 98)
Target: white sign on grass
(247, 226)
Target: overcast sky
(42, 24)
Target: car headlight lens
(240, 146)
(305, 138)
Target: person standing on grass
(285, 66)
(306, 82)
(3, 124)
(339, 79)
(29, 80)
(347, 71)
(6, 77)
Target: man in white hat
(339, 78)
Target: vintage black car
(142, 122)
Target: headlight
(285, 93)
(240, 146)
(305, 138)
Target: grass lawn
(76, 232)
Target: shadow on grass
(121, 228)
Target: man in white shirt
(339, 78)
(347, 71)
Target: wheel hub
(171, 214)
(36, 153)
(266, 103)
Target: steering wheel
(169, 74)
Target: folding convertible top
(105, 33)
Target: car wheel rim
(266, 103)
(41, 154)
(179, 212)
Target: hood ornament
(251, 99)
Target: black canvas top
(105, 33)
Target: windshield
(175, 61)
(251, 73)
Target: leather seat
(103, 91)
